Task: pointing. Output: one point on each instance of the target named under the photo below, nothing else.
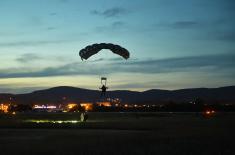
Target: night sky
(173, 44)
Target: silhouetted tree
(20, 108)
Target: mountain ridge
(62, 94)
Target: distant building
(46, 108)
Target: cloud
(184, 24)
(220, 29)
(28, 57)
(51, 28)
(225, 36)
(140, 85)
(115, 26)
(118, 24)
(19, 89)
(64, 70)
(36, 21)
(53, 14)
(190, 63)
(35, 57)
(31, 43)
(220, 63)
(109, 59)
(111, 12)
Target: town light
(44, 107)
(4, 107)
(87, 106)
(71, 105)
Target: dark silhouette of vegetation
(20, 108)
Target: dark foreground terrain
(118, 133)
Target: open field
(118, 133)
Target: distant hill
(66, 94)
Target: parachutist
(93, 49)
(103, 88)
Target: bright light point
(74, 121)
(4, 107)
(53, 121)
(71, 105)
(44, 107)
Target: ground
(118, 133)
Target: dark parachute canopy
(95, 48)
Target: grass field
(118, 133)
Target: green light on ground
(53, 121)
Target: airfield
(117, 133)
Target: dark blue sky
(174, 44)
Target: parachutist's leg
(102, 94)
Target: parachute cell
(95, 48)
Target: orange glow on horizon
(71, 105)
(87, 106)
(105, 104)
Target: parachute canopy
(95, 48)
(103, 78)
